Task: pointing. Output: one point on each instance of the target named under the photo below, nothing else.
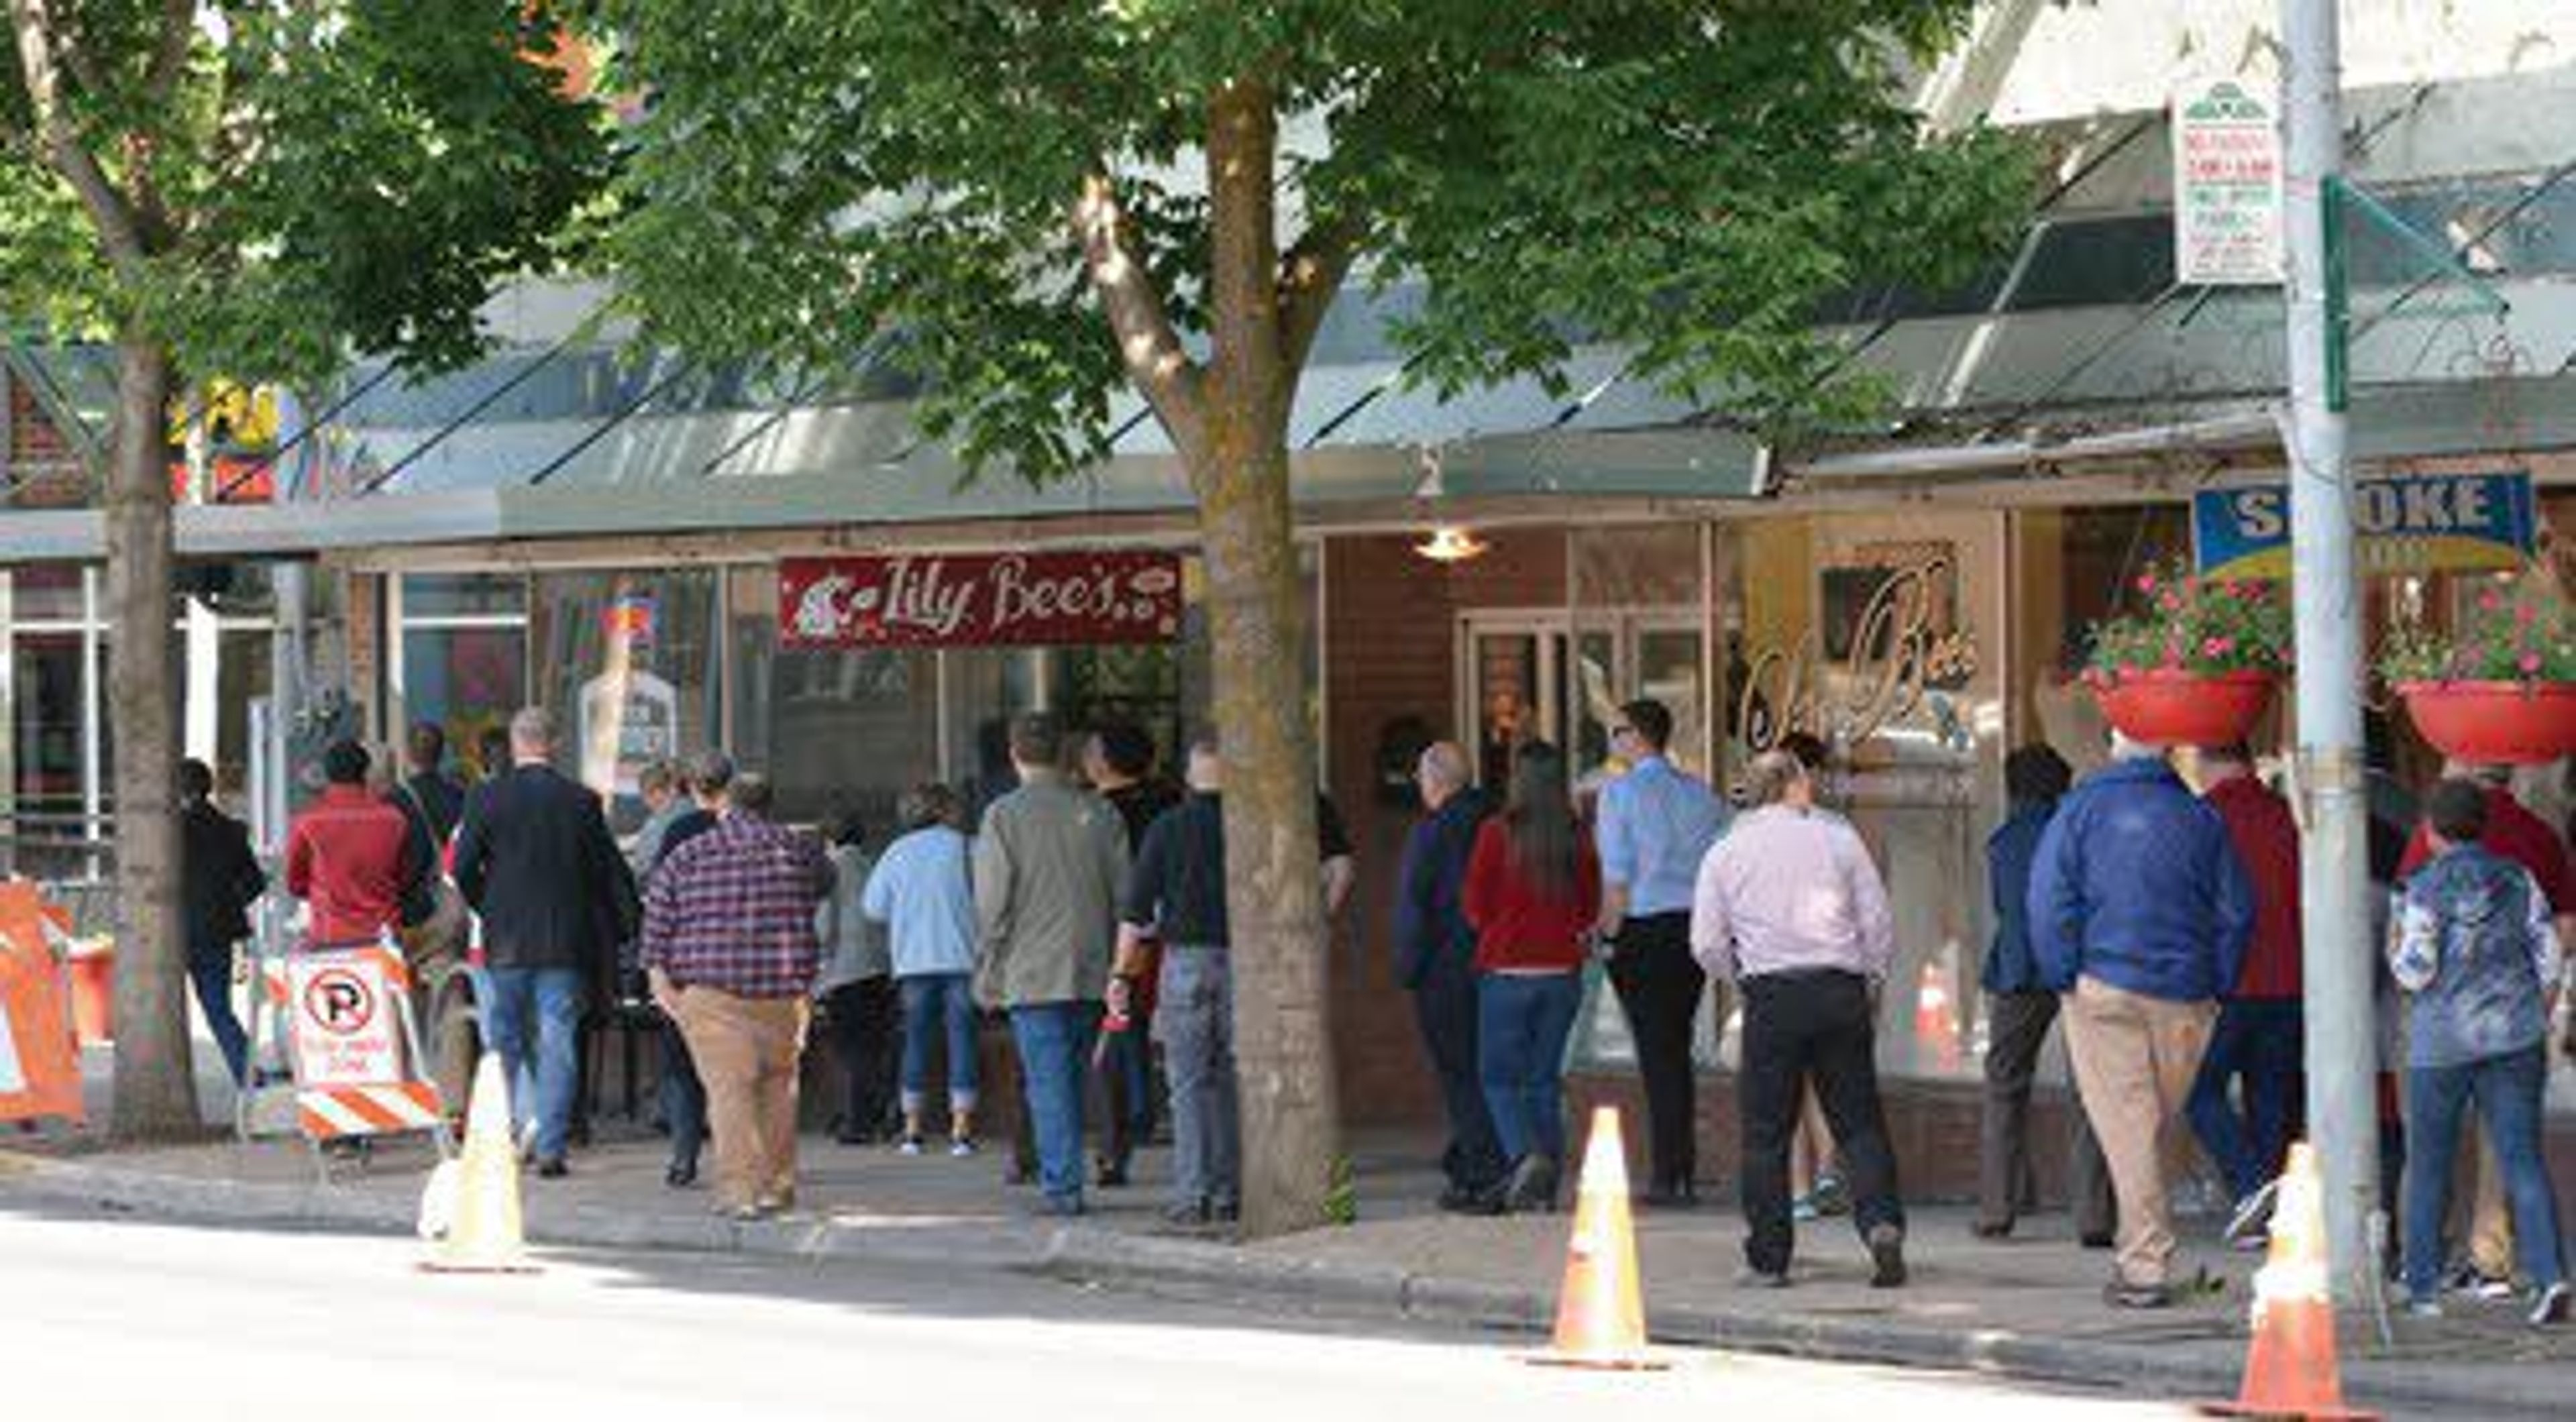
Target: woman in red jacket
(1531, 893)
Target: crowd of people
(1086, 907)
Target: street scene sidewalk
(2027, 1307)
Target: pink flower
(2530, 664)
(2173, 653)
(2525, 614)
(2489, 601)
(2146, 582)
(2217, 646)
(2169, 603)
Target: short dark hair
(710, 772)
(1126, 747)
(929, 803)
(493, 749)
(2457, 810)
(428, 745)
(1651, 720)
(750, 794)
(2037, 773)
(196, 780)
(1811, 751)
(1037, 738)
(345, 763)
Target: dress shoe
(1532, 1187)
(1472, 1199)
(1111, 1172)
(1886, 1256)
(552, 1168)
(1993, 1229)
(681, 1175)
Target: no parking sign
(346, 1033)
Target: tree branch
(1310, 276)
(40, 62)
(1148, 345)
(178, 25)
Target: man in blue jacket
(2139, 916)
(1434, 953)
(2019, 1012)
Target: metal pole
(2334, 884)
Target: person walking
(731, 954)
(1048, 867)
(681, 1096)
(2479, 959)
(348, 856)
(535, 860)
(1790, 907)
(1435, 960)
(435, 916)
(1175, 895)
(1656, 823)
(921, 890)
(219, 879)
(1532, 893)
(2255, 1049)
(663, 787)
(2514, 833)
(1118, 760)
(856, 989)
(2019, 1012)
(2139, 914)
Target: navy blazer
(535, 859)
(1430, 926)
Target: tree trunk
(155, 1079)
(1274, 900)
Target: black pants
(867, 1039)
(1659, 986)
(2016, 1028)
(1800, 1026)
(1444, 1006)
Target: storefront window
(462, 658)
(627, 661)
(850, 730)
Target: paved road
(114, 1317)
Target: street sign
(980, 599)
(345, 1030)
(2227, 185)
(2415, 523)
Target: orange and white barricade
(40, 1072)
(351, 1047)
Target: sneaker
(1830, 1197)
(2423, 1306)
(960, 1147)
(2551, 1305)
(1188, 1214)
(2119, 1293)
(2468, 1283)
(909, 1145)
(2251, 1226)
(1886, 1256)
(1109, 1172)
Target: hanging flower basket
(2197, 662)
(2494, 722)
(2167, 707)
(2500, 687)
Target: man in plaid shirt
(729, 940)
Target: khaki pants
(747, 1050)
(2135, 1058)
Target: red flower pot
(2183, 708)
(2495, 722)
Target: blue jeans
(534, 1020)
(2507, 1090)
(1521, 1025)
(1054, 1039)
(1196, 1017)
(682, 1097)
(210, 973)
(938, 1004)
(2255, 1048)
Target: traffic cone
(2290, 1365)
(1601, 1313)
(477, 1224)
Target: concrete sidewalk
(2030, 1306)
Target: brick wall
(44, 471)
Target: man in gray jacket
(1048, 867)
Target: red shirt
(2267, 842)
(2516, 834)
(1518, 928)
(347, 856)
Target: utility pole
(2334, 881)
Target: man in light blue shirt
(1654, 826)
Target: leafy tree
(252, 191)
(1044, 201)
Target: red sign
(980, 600)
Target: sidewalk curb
(1092, 1254)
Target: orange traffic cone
(2290, 1366)
(1601, 1314)
(471, 1209)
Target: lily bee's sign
(2412, 524)
(980, 600)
